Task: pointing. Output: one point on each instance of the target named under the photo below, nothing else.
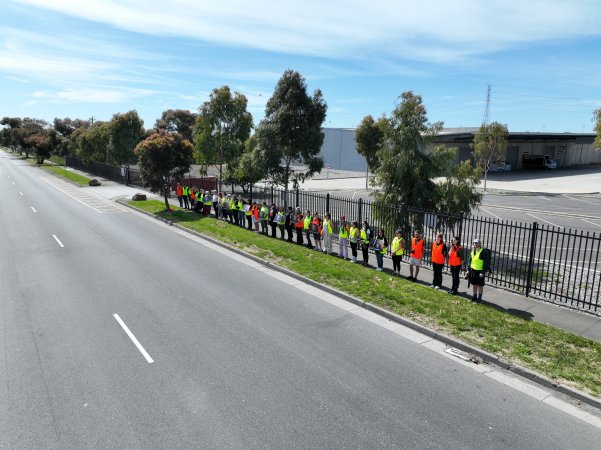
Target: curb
(444, 338)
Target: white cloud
(438, 30)
(91, 95)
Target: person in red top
(439, 254)
(179, 192)
(415, 255)
(456, 258)
(299, 226)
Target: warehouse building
(523, 148)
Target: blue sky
(76, 58)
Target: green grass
(57, 160)
(68, 174)
(558, 354)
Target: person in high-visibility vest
(326, 233)
(249, 215)
(456, 257)
(234, 210)
(380, 245)
(307, 228)
(299, 226)
(479, 264)
(280, 218)
(185, 194)
(415, 255)
(438, 256)
(263, 216)
(354, 237)
(316, 227)
(226, 207)
(180, 196)
(215, 199)
(397, 249)
(255, 213)
(365, 239)
(240, 208)
(343, 236)
(207, 202)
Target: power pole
(486, 118)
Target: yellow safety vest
(476, 263)
(396, 246)
(364, 236)
(352, 232)
(342, 233)
(328, 224)
(307, 223)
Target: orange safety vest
(437, 256)
(179, 191)
(418, 248)
(454, 259)
(193, 195)
(299, 221)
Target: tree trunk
(167, 208)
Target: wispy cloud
(91, 95)
(429, 30)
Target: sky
(83, 59)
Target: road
(227, 354)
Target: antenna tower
(486, 118)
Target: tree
(408, 168)
(222, 127)
(291, 131)
(29, 128)
(41, 144)
(163, 157)
(249, 168)
(91, 144)
(10, 132)
(489, 146)
(369, 137)
(177, 121)
(125, 131)
(597, 129)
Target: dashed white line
(544, 198)
(21, 193)
(58, 240)
(13, 183)
(133, 338)
(33, 209)
(551, 223)
(592, 223)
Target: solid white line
(33, 209)
(133, 338)
(544, 198)
(21, 193)
(580, 200)
(57, 240)
(592, 223)
(551, 223)
(488, 212)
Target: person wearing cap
(307, 228)
(415, 255)
(397, 249)
(326, 233)
(456, 258)
(479, 264)
(343, 237)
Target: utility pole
(486, 118)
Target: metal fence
(120, 174)
(543, 261)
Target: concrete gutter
(444, 338)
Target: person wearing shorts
(416, 253)
(479, 264)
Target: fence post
(460, 231)
(328, 202)
(297, 198)
(360, 210)
(531, 258)
(251, 193)
(272, 193)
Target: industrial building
(566, 149)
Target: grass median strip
(68, 174)
(558, 354)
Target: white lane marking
(551, 223)
(580, 200)
(488, 212)
(133, 338)
(544, 198)
(13, 183)
(33, 209)
(21, 193)
(592, 223)
(58, 240)
(92, 201)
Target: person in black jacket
(273, 211)
(288, 223)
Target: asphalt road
(235, 357)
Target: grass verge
(558, 354)
(68, 174)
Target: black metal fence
(543, 261)
(120, 174)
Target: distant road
(118, 332)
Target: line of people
(317, 233)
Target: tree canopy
(249, 168)
(222, 127)
(163, 157)
(291, 131)
(369, 137)
(177, 121)
(125, 131)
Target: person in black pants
(365, 239)
(456, 259)
(288, 223)
(438, 256)
(273, 211)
